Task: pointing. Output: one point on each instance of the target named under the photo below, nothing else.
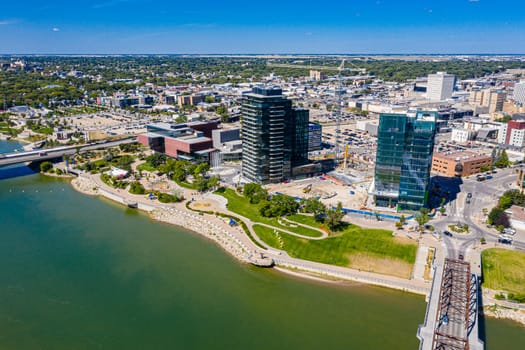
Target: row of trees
(281, 205)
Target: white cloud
(56, 29)
(6, 22)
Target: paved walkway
(421, 262)
(281, 258)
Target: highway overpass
(58, 152)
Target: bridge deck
(53, 153)
(452, 313)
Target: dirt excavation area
(329, 190)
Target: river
(84, 273)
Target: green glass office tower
(405, 143)
(274, 136)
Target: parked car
(447, 233)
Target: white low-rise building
(517, 138)
(462, 135)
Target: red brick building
(188, 141)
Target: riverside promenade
(233, 239)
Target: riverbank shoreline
(61, 176)
(174, 216)
(87, 185)
(193, 222)
(502, 312)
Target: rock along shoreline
(231, 244)
(170, 215)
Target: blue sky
(226, 26)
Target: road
(48, 154)
(485, 194)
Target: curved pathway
(281, 258)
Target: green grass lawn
(504, 270)
(305, 220)
(338, 250)
(186, 185)
(240, 205)
(146, 167)
(267, 235)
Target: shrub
(167, 198)
(136, 188)
(45, 167)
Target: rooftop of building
(518, 213)
(461, 155)
(268, 91)
(191, 139)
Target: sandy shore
(305, 275)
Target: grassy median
(504, 270)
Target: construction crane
(338, 91)
(346, 156)
(339, 99)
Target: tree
(402, 219)
(209, 99)
(334, 217)
(255, 193)
(213, 181)
(485, 168)
(201, 183)
(201, 169)
(314, 206)
(425, 211)
(156, 159)
(46, 166)
(421, 219)
(503, 160)
(278, 205)
(222, 110)
(497, 217)
(398, 225)
(136, 188)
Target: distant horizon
(305, 54)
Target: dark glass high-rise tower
(274, 136)
(405, 143)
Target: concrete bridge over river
(58, 152)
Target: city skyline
(374, 27)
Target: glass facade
(297, 132)
(315, 137)
(404, 158)
(274, 136)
